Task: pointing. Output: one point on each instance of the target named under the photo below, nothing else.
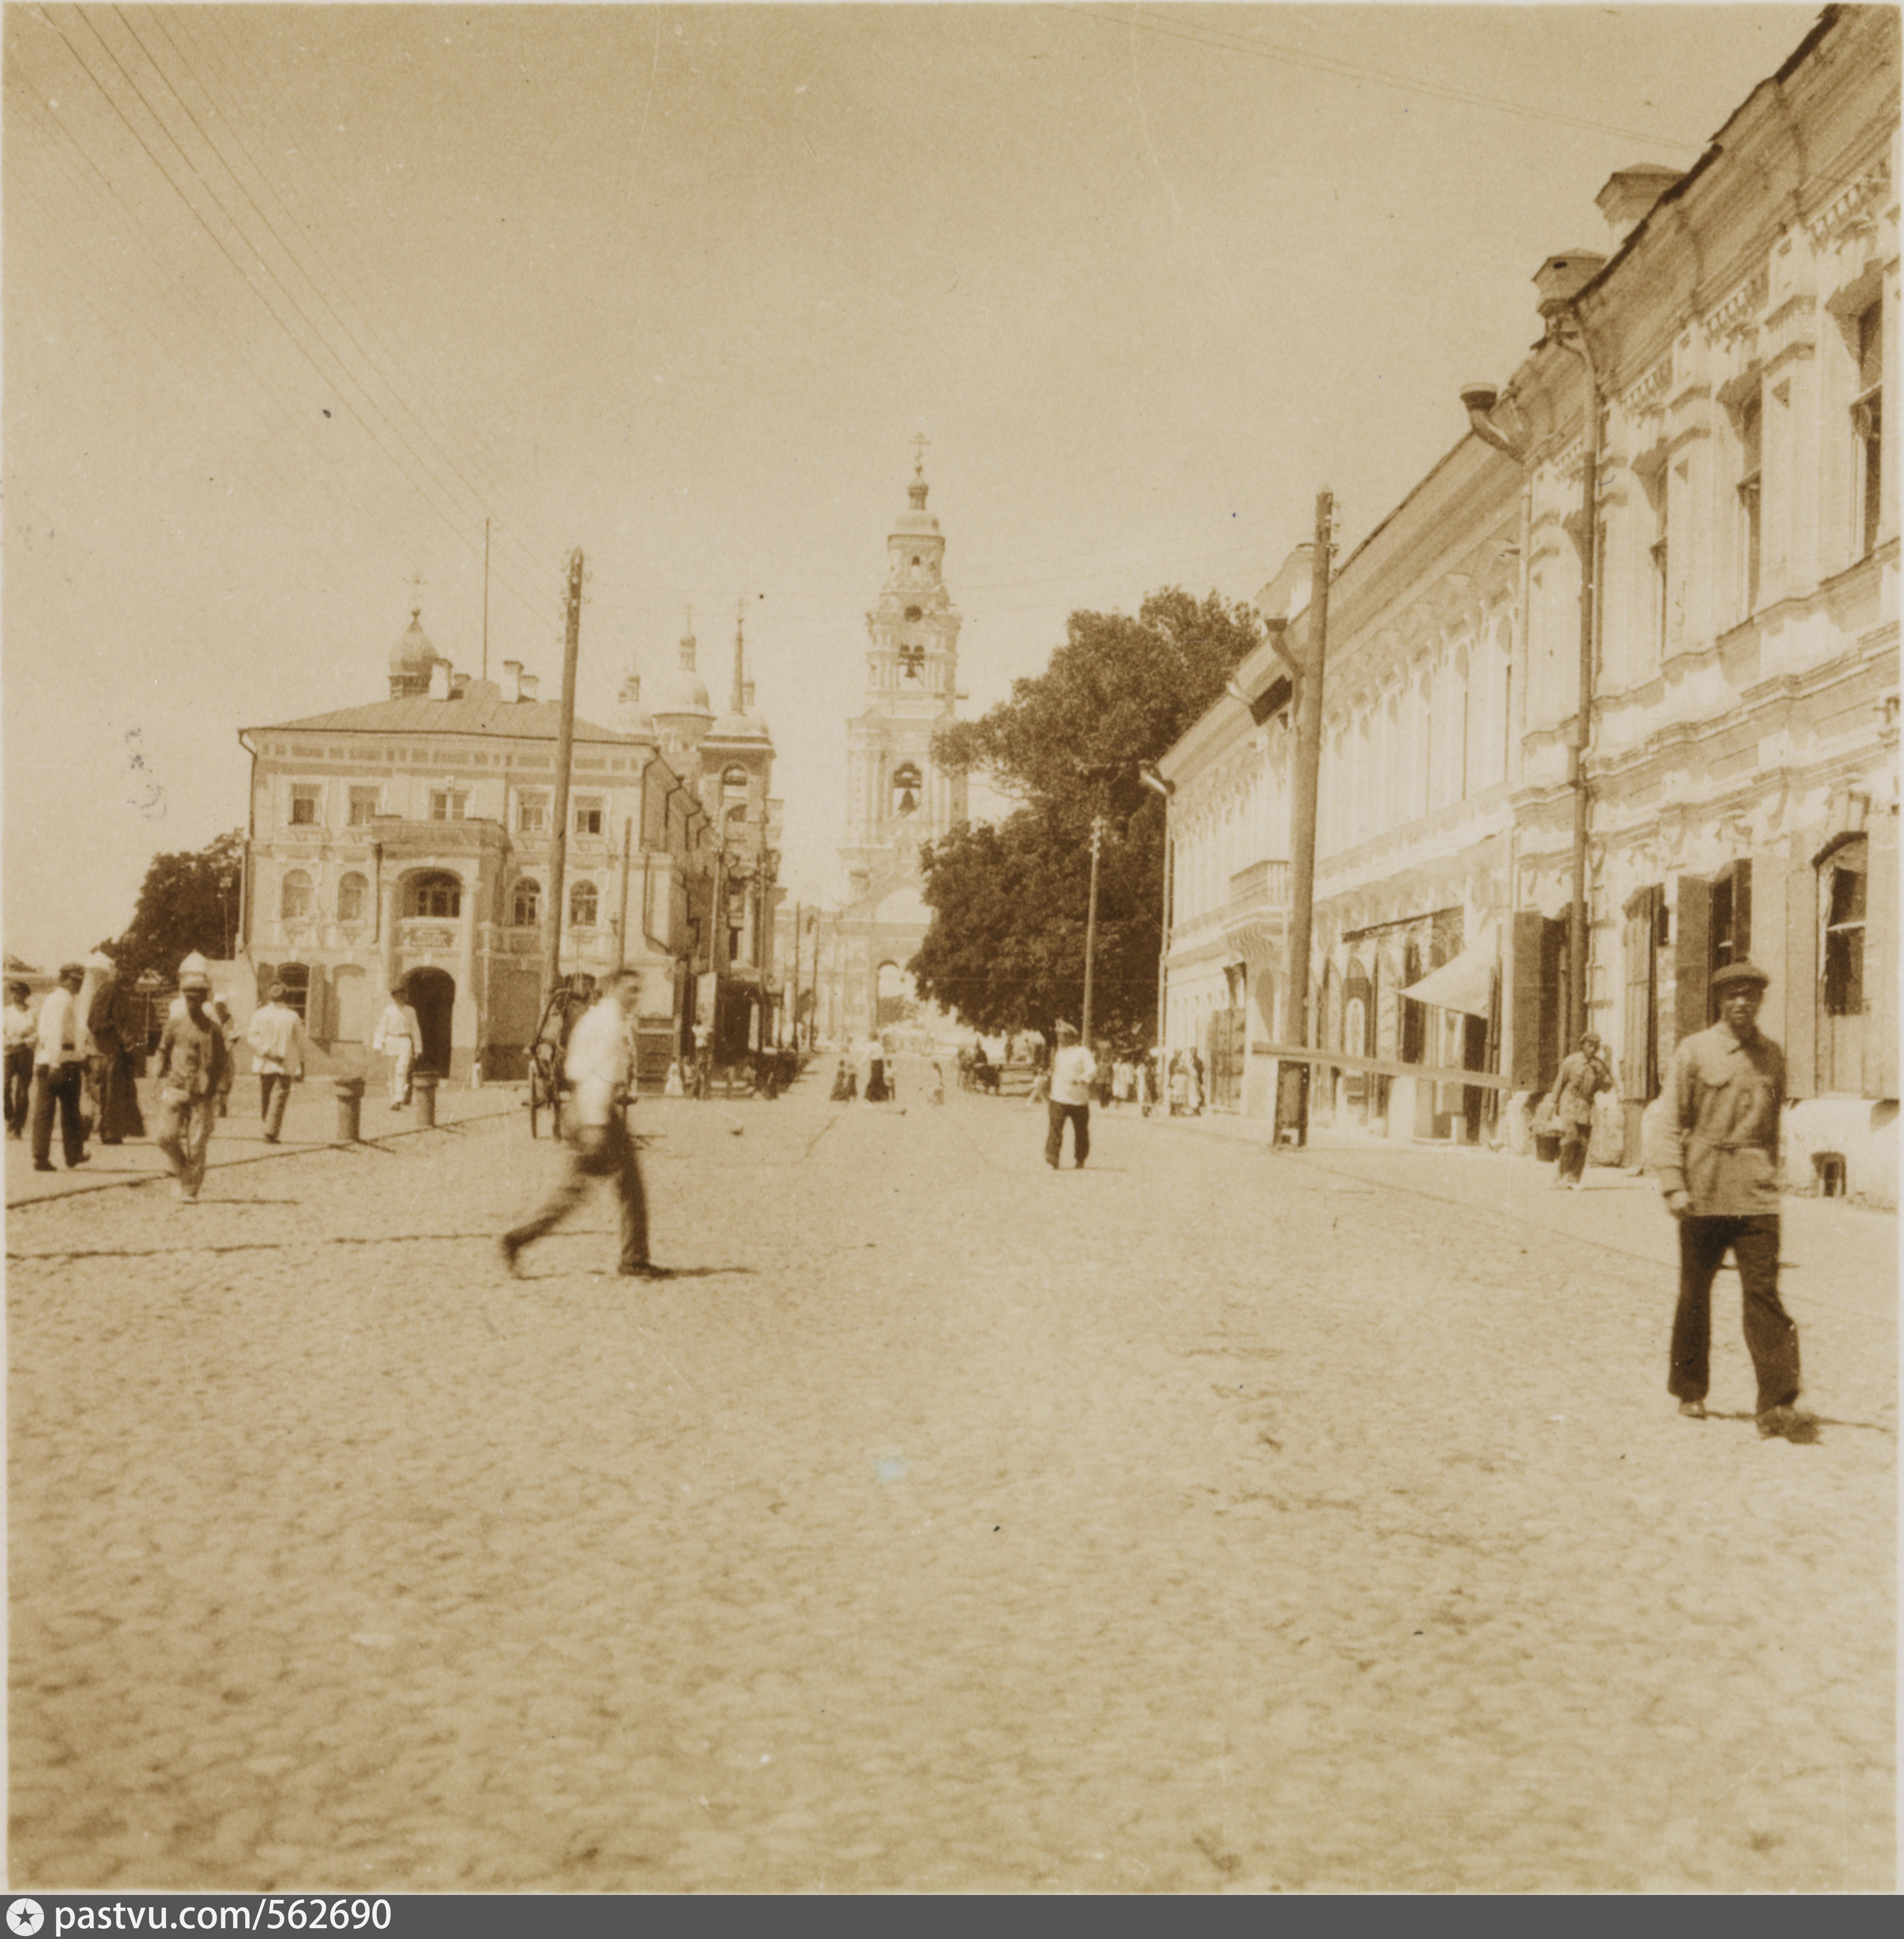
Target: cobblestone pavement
(1207, 1519)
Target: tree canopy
(188, 901)
(1010, 901)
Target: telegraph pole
(1091, 924)
(565, 748)
(485, 599)
(1308, 768)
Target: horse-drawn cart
(547, 1085)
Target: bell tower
(897, 797)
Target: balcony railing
(1262, 885)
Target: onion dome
(680, 692)
(412, 654)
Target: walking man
(1718, 1169)
(400, 1036)
(22, 1032)
(600, 1070)
(1073, 1071)
(278, 1048)
(60, 1072)
(1582, 1079)
(113, 1022)
(193, 1058)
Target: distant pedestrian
(674, 1087)
(399, 1037)
(1717, 1166)
(1073, 1071)
(845, 1084)
(876, 1091)
(599, 1067)
(1123, 1081)
(278, 1049)
(21, 1031)
(1582, 1079)
(1199, 1087)
(113, 1022)
(220, 1007)
(60, 1072)
(1180, 1085)
(192, 1060)
(936, 1091)
(1041, 1091)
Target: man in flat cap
(59, 1057)
(1718, 1169)
(278, 1049)
(192, 1060)
(1072, 1071)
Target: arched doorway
(433, 996)
(897, 1003)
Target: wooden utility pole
(1091, 925)
(485, 599)
(1308, 768)
(565, 748)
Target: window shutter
(1639, 1061)
(1881, 958)
(1742, 912)
(1801, 967)
(1692, 956)
(1769, 887)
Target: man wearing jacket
(192, 1059)
(1718, 1171)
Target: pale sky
(293, 297)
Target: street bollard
(425, 1088)
(350, 1104)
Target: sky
(294, 299)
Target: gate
(1226, 1059)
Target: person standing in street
(60, 1072)
(1717, 1167)
(21, 1033)
(1582, 1079)
(1073, 1071)
(399, 1037)
(221, 1013)
(114, 1024)
(278, 1048)
(193, 1058)
(600, 1070)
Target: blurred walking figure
(21, 1032)
(1717, 1166)
(1180, 1084)
(877, 1091)
(115, 1023)
(1582, 1079)
(278, 1048)
(936, 1091)
(60, 1071)
(674, 1087)
(600, 1072)
(1073, 1071)
(1123, 1082)
(221, 1015)
(400, 1036)
(192, 1059)
(845, 1084)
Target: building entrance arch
(433, 996)
(896, 1002)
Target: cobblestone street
(1207, 1519)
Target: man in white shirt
(1073, 1070)
(400, 1036)
(59, 1054)
(23, 1034)
(600, 1068)
(278, 1046)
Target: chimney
(528, 681)
(459, 682)
(512, 682)
(439, 680)
(1560, 278)
(1629, 196)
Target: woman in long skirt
(118, 1038)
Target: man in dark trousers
(1073, 1071)
(60, 1072)
(1718, 1170)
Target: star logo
(25, 1917)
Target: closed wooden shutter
(1639, 1058)
(1692, 956)
(1524, 998)
(1801, 967)
(1881, 959)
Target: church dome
(413, 653)
(681, 690)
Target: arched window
(907, 789)
(913, 614)
(438, 898)
(294, 904)
(527, 912)
(582, 905)
(353, 897)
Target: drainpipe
(1575, 343)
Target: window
(532, 814)
(1868, 424)
(1730, 917)
(911, 662)
(582, 905)
(527, 912)
(1842, 886)
(1751, 443)
(294, 899)
(588, 815)
(296, 977)
(906, 788)
(447, 804)
(913, 614)
(353, 898)
(305, 796)
(363, 806)
(436, 898)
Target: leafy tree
(1011, 901)
(187, 902)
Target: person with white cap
(60, 1055)
(279, 1047)
(1073, 1071)
(1717, 1166)
(399, 1037)
(193, 1060)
